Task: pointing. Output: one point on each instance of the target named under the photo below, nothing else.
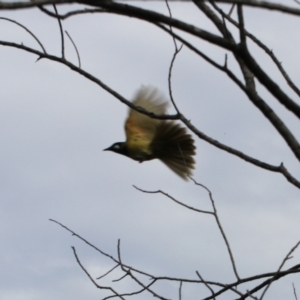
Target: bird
(148, 138)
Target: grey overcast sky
(55, 123)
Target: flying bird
(148, 138)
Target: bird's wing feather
(139, 126)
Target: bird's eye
(117, 146)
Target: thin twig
(176, 201)
(108, 272)
(231, 10)
(25, 28)
(180, 290)
(250, 68)
(287, 257)
(78, 56)
(214, 213)
(91, 278)
(266, 282)
(263, 47)
(170, 14)
(122, 277)
(295, 293)
(128, 272)
(207, 285)
(260, 4)
(220, 227)
(177, 50)
(241, 25)
(72, 13)
(91, 78)
(225, 287)
(61, 34)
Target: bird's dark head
(119, 147)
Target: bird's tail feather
(175, 148)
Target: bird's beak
(107, 149)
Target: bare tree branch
(225, 287)
(241, 26)
(287, 257)
(207, 285)
(105, 274)
(78, 56)
(263, 4)
(25, 28)
(253, 3)
(61, 34)
(220, 227)
(128, 272)
(72, 13)
(214, 213)
(176, 52)
(180, 290)
(262, 46)
(247, 64)
(295, 293)
(173, 199)
(93, 281)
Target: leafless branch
(173, 199)
(231, 10)
(85, 241)
(295, 293)
(249, 67)
(281, 274)
(180, 290)
(253, 3)
(170, 14)
(262, 46)
(93, 281)
(241, 25)
(78, 56)
(91, 78)
(72, 13)
(61, 34)
(264, 4)
(266, 282)
(225, 287)
(25, 28)
(128, 272)
(214, 213)
(102, 276)
(177, 50)
(119, 262)
(287, 257)
(207, 285)
(220, 227)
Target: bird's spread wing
(139, 127)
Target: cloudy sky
(55, 123)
